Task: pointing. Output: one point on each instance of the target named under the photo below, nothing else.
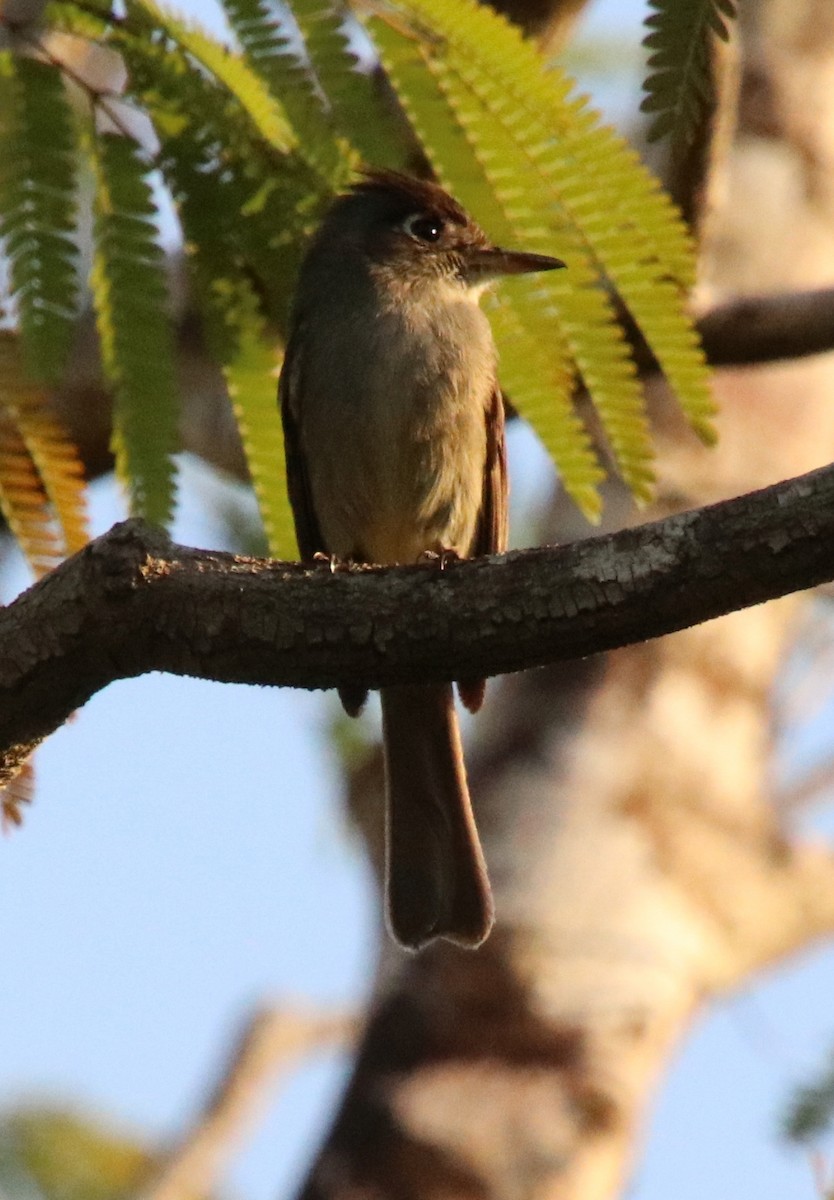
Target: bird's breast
(394, 430)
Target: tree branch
(753, 330)
(272, 1042)
(133, 602)
(762, 329)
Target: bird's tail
(437, 883)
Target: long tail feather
(436, 877)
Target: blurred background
(187, 861)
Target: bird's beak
(492, 262)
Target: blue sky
(186, 860)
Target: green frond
(37, 210)
(130, 296)
(559, 319)
(355, 99)
(244, 214)
(643, 251)
(445, 143)
(561, 133)
(678, 87)
(251, 377)
(52, 453)
(200, 130)
(535, 363)
(245, 208)
(571, 303)
(504, 133)
(273, 53)
(535, 370)
(222, 65)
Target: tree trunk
(639, 868)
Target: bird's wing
(492, 532)
(307, 531)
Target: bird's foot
(441, 557)
(332, 562)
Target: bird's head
(417, 233)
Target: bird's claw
(329, 559)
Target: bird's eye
(427, 229)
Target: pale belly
(396, 460)
(403, 484)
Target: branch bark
(133, 602)
(754, 330)
(762, 329)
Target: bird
(394, 438)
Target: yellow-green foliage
(267, 42)
(62, 1155)
(538, 166)
(227, 71)
(41, 479)
(252, 141)
(251, 376)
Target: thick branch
(133, 602)
(754, 330)
(764, 329)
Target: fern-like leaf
(274, 54)
(37, 210)
(245, 207)
(571, 301)
(678, 88)
(355, 100)
(230, 70)
(245, 216)
(567, 184)
(130, 296)
(23, 501)
(251, 376)
(537, 371)
(535, 361)
(41, 476)
(53, 454)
